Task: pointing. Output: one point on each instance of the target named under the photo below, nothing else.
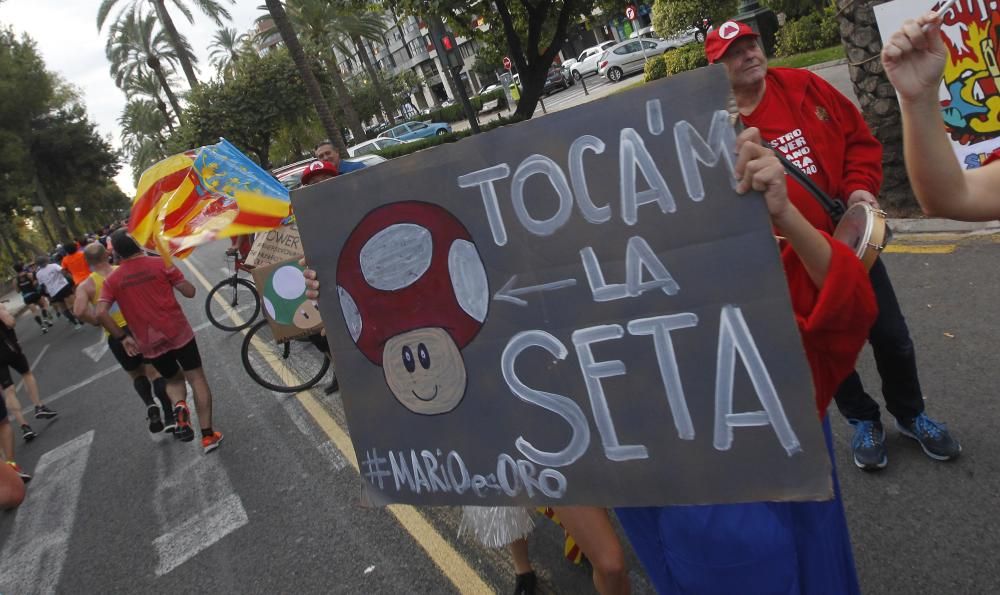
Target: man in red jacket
(818, 130)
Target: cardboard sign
(574, 310)
(970, 86)
(275, 245)
(283, 299)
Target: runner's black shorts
(16, 361)
(31, 298)
(64, 293)
(128, 363)
(184, 358)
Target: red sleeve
(108, 291)
(174, 275)
(834, 320)
(862, 151)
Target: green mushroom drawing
(285, 300)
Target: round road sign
(506, 63)
(630, 13)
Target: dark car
(557, 80)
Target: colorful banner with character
(970, 87)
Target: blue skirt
(764, 548)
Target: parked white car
(586, 62)
(630, 56)
(371, 146)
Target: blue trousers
(764, 548)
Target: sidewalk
(14, 303)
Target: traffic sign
(506, 63)
(631, 12)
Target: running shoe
(170, 427)
(20, 472)
(933, 437)
(27, 433)
(43, 412)
(210, 443)
(77, 326)
(153, 417)
(183, 432)
(869, 445)
(45, 330)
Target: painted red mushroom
(414, 293)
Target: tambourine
(865, 230)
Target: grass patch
(809, 58)
(622, 88)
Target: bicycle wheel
(286, 368)
(237, 295)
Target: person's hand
(863, 196)
(312, 283)
(914, 59)
(131, 347)
(758, 168)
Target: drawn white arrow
(507, 293)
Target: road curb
(829, 64)
(917, 225)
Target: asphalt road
(113, 508)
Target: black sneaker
(43, 412)
(933, 437)
(27, 433)
(869, 445)
(153, 417)
(183, 432)
(526, 583)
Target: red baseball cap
(317, 167)
(723, 36)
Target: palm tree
(212, 8)
(145, 85)
(142, 137)
(291, 40)
(226, 46)
(135, 45)
(325, 26)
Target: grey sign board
(578, 309)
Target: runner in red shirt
(143, 287)
(818, 130)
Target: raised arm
(914, 61)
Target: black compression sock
(160, 390)
(144, 389)
(206, 431)
(45, 313)
(38, 319)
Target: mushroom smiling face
(425, 371)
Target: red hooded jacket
(821, 131)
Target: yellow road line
(446, 557)
(920, 248)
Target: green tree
(136, 44)
(263, 96)
(142, 135)
(226, 46)
(211, 8)
(670, 16)
(308, 77)
(145, 85)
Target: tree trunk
(862, 44)
(154, 65)
(376, 80)
(43, 198)
(166, 114)
(344, 99)
(532, 64)
(308, 78)
(175, 40)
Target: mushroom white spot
(351, 314)
(288, 282)
(397, 256)
(269, 308)
(468, 279)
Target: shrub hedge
(685, 58)
(656, 68)
(455, 113)
(815, 31)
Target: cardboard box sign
(577, 309)
(276, 245)
(283, 299)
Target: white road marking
(35, 551)
(198, 491)
(81, 384)
(97, 350)
(34, 365)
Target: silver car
(630, 56)
(586, 62)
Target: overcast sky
(68, 39)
